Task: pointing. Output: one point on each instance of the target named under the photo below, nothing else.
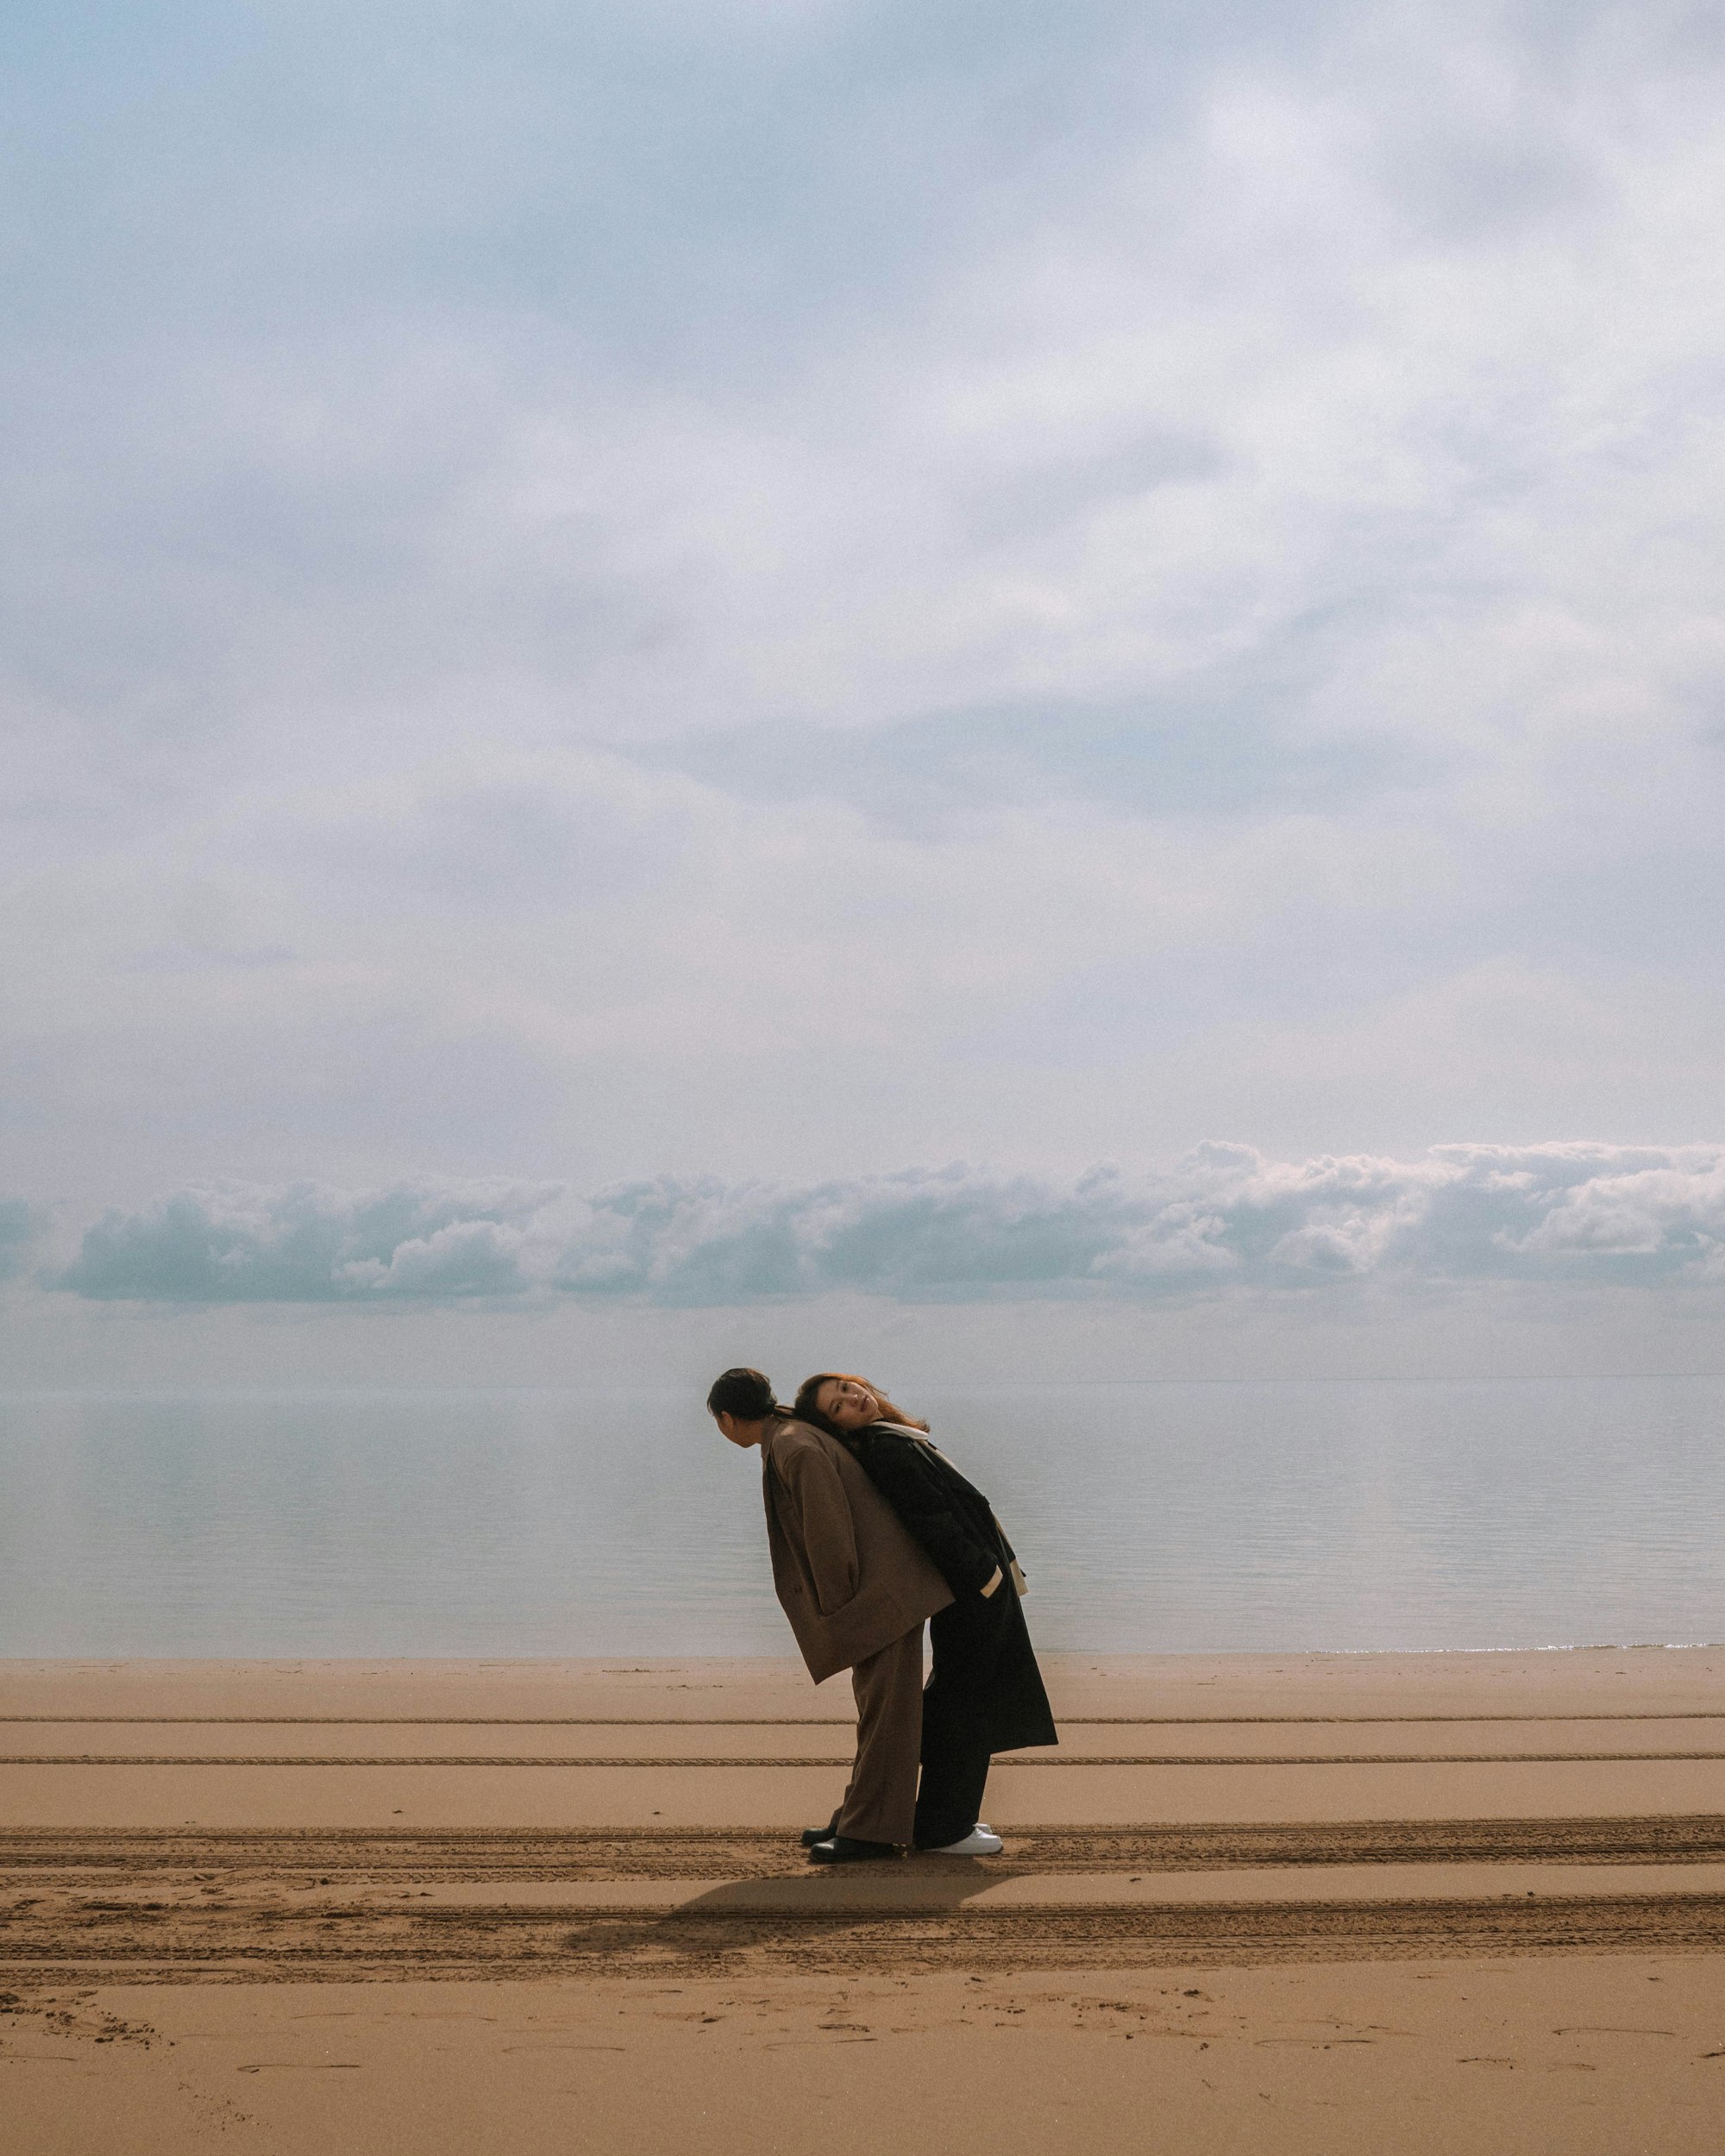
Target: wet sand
(1421, 1902)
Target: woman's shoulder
(889, 1439)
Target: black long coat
(1000, 1691)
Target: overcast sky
(939, 655)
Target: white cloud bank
(305, 1242)
(1225, 1215)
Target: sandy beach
(1425, 1902)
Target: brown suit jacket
(850, 1578)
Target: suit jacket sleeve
(899, 1470)
(828, 1533)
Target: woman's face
(848, 1402)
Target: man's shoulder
(789, 1439)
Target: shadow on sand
(814, 1911)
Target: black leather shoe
(841, 1849)
(812, 1834)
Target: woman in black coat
(985, 1694)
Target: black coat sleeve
(912, 1483)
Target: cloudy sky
(677, 676)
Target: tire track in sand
(230, 1906)
(412, 1855)
(56, 1942)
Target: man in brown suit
(857, 1589)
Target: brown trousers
(880, 1800)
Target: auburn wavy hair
(806, 1408)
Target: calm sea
(1159, 1516)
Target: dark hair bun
(745, 1393)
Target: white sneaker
(981, 1841)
